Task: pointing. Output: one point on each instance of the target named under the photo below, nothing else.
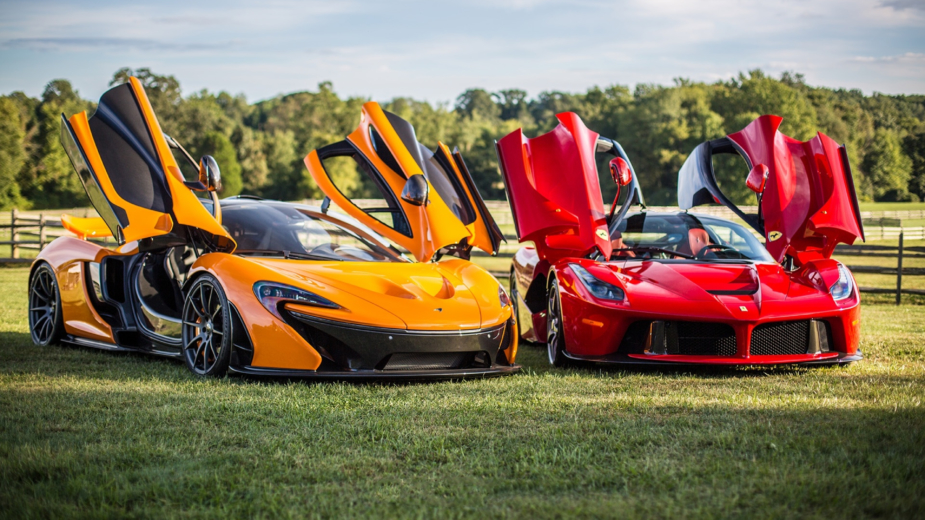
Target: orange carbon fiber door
(385, 149)
(130, 175)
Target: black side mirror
(209, 174)
(416, 190)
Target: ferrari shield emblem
(602, 234)
(774, 235)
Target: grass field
(85, 433)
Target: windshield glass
(279, 228)
(682, 235)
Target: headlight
(503, 297)
(599, 288)
(842, 288)
(271, 294)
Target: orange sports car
(271, 288)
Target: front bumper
(358, 352)
(824, 358)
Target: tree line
(259, 146)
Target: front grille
(427, 361)
(696, 338)
(780, 338)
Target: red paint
(809, 195)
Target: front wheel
(45, 320)
(555, 340)
(206, 328)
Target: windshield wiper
(286, 254)
(656, 249)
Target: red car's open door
(806, 198)
(553, 188)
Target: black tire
(45, 320)
(206, 328)
(515, 302)
(555, 339)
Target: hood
(807, 203)
(423, 296)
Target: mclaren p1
(272, 288)
(679, 287)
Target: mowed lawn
(85, 433)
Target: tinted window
(281, 227)
(689, 235)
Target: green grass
(85, 433)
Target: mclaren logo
(602, 234)
(774, 235)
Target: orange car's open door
(132, 179)
(384, 147)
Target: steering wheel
(702, 254)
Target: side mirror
(209, 174)
(620, 171)
(757, 178)
(416, 190)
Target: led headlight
(271, 294)
(599, 288)
(503, 297)
(844, 286)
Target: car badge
(602, 234)
(439, 309)
(743, 308)
(774, 235)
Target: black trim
(623, 359)
(849, 178)
(374, 375)
(507, 192)
(493, 230)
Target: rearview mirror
(416, 190)
(209, 174)
(620, 171)
(757, 178)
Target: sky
(434, 50)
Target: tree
(914, 147)
(12, 153)
(887, 167)
(220, 148)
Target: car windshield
(682, 235)
(281, 229)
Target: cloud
(121, 44)
(901, 5)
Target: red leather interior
(696, 239)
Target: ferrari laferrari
(263, 287)
(642, 287)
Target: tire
(515, 302)
(555, 339)
(46, 322)
(206, 330)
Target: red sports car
(647, 287)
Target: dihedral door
(130, 174)
(385, 148)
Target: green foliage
(262, 144)
(888, 168)
(220, 148)
(12, 153)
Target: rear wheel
(206, 328)
(45, 320)
(515, 302)
(555, 340)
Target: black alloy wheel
(206, 329)
(555, 339)
(45, 320)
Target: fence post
(899, 271)
(14, 237)
(41, 231)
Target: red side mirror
(757, 178)
(620, 171)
